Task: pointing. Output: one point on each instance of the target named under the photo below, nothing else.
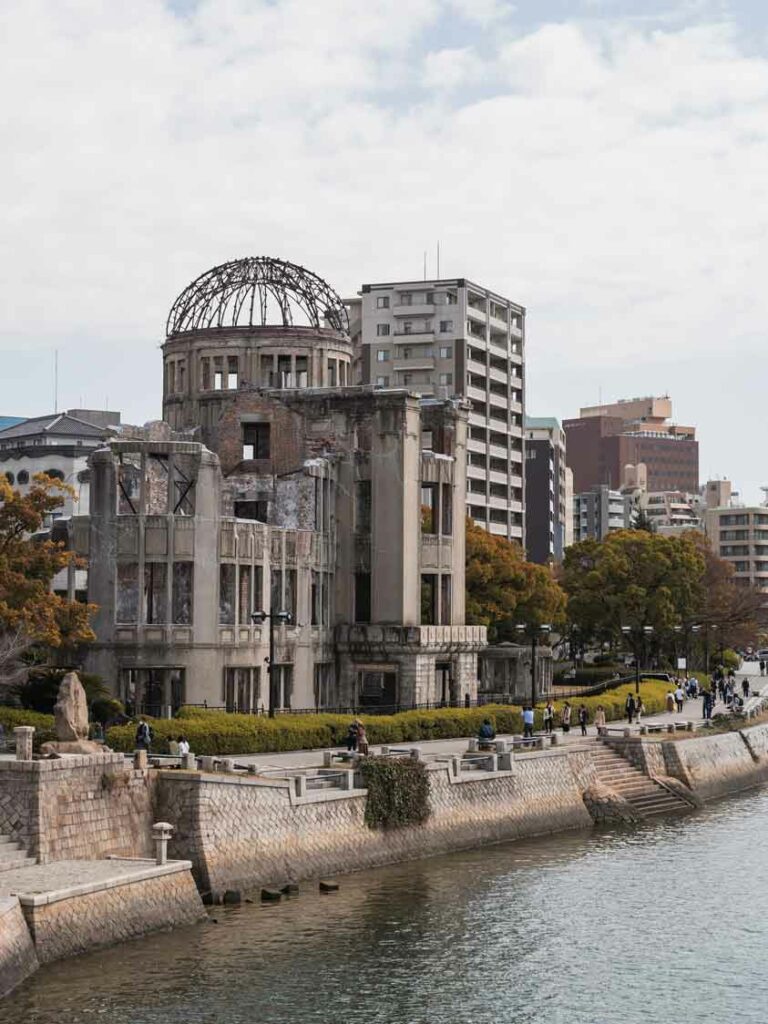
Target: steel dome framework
(247, 292)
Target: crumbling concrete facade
(275, 488)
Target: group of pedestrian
(634, 707)
(357, 739)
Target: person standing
(548, 717)
(629, 707)
(600, 718)
(143, 735)
(745, 687)
(565, 715)
(583, 719)
(762, 667)
(528, 722)
(362, 738)
(352, 736)
(639, 709)
(183, 745)
(679, 698)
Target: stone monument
(70, 715)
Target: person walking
(679, 698)
(528, 722)
(745, 687)
(362, 738)
(599, 718)
(639, 709)
(548, 718)
(670, 700)
(143, 735)
(629, 707)
(565, 716)
(583, 719)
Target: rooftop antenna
(764, 489)
(438, 260)
(425, 264)
(55, 380)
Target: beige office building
(446, 338)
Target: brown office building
(605, 439)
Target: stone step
(21, 860)
(660, 800)
(5, 839)
(10, 850)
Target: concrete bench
(527, 742)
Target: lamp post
(534, 632)
(635, 638)
(285, 619)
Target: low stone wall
(18, 958)
(85, 918)
(242, 833)
(79, 807)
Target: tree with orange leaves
(30, 613)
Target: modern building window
(446, 378)
(428, 599)
(407, 326)
(181, 593)
(446, 351)
(127, 601)
(382, 382)
(255, 441)
(382, 330)
(382, 302)
(406, 298)
(155, 574)
(382, 356)
(429, 507)
(362, 597)
(446, 326)
(227, 594)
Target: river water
(663, 923)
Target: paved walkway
(691, 712)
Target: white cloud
(610, 178)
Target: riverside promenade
(692, 711)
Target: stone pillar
(24, 735)
(189, 762)
(300, 782)
(161, 833)
(140, 760)
(207, 763)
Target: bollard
(140, 760)
(689, 726)
(627, 733)
(24, 734)
(454, 766)
(505, 762)
(671, 727)
(472, 747)
(502, 746)
(227, 765)
(492, 764)
(327, 758)
(414, 753)
(161, 833)
(554, 739)
(207, 763)
(189, 762)
(384, 751)
(300, 785)
(643, 730)
(347, 781)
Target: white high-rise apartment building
(453, 337)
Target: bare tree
(14, 644)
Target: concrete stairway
(13, 855)
(646, 796)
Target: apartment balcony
(498, 323)
(500, 376)
(500, 401)
(479, 315)
(516, 332)
(498, 478)
(422, 309)
(502, 503)
(415, 364)
(497, 529)
(479, 473)
(473, 445)
(476, 420)
(497, 452)
(415, 337)
(516, 506)
(480, 369)
(476, 393)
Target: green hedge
(11, 717)
(216, 732)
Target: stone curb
(40, 899)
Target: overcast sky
(602, 162)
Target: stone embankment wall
(66, 924)
(242, 832)
(18, 958)
(710, 766)
(80, 807)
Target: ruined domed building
(276, 488)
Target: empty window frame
(127, 598)
(362, 597)
(181, 593)
(256, 441)
(382, 330)
(227, 576)
(429, 599)
(232, 373)
(155, 576)
(363, 506)
(445, 599)
(430, 500)
(382, 302)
